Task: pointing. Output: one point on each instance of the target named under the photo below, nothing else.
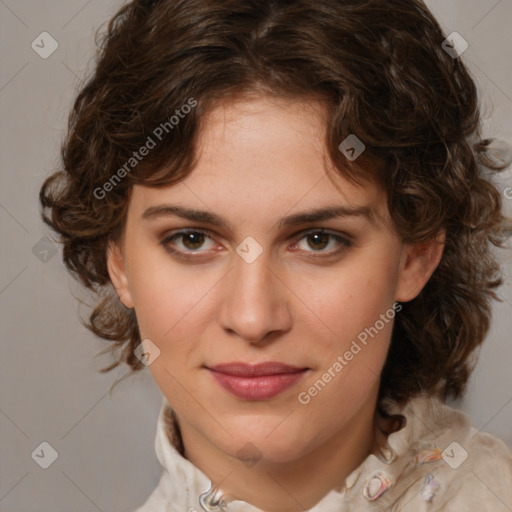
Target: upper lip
(255, 370)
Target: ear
(417, 264)
(117, 273)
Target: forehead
(263, 156)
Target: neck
(291, 486)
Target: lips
(255, 370)
(256, 382)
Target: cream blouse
(435, 462)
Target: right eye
(192, 240)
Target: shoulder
(440, 463)
(470, 470)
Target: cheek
(352, 348)
(166, 303)
(347, 302)
(162, 291)
(169, 304)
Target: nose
(255, 301)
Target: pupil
(192, 236)
(316, 236)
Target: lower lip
(257, 388)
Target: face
(265, 283)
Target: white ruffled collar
(381, 476)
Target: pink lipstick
(256, 382)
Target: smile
(256, 382)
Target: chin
(265, 443)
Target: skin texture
(302, 301)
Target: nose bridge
(255, 302)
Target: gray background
(50, 386)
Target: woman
(285, 208)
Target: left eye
(320, 239)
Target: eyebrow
(306, 217)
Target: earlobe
(419, 261)
(117, 273)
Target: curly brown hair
(382, 71)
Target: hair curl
(381, 69)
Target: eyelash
(343, 240)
